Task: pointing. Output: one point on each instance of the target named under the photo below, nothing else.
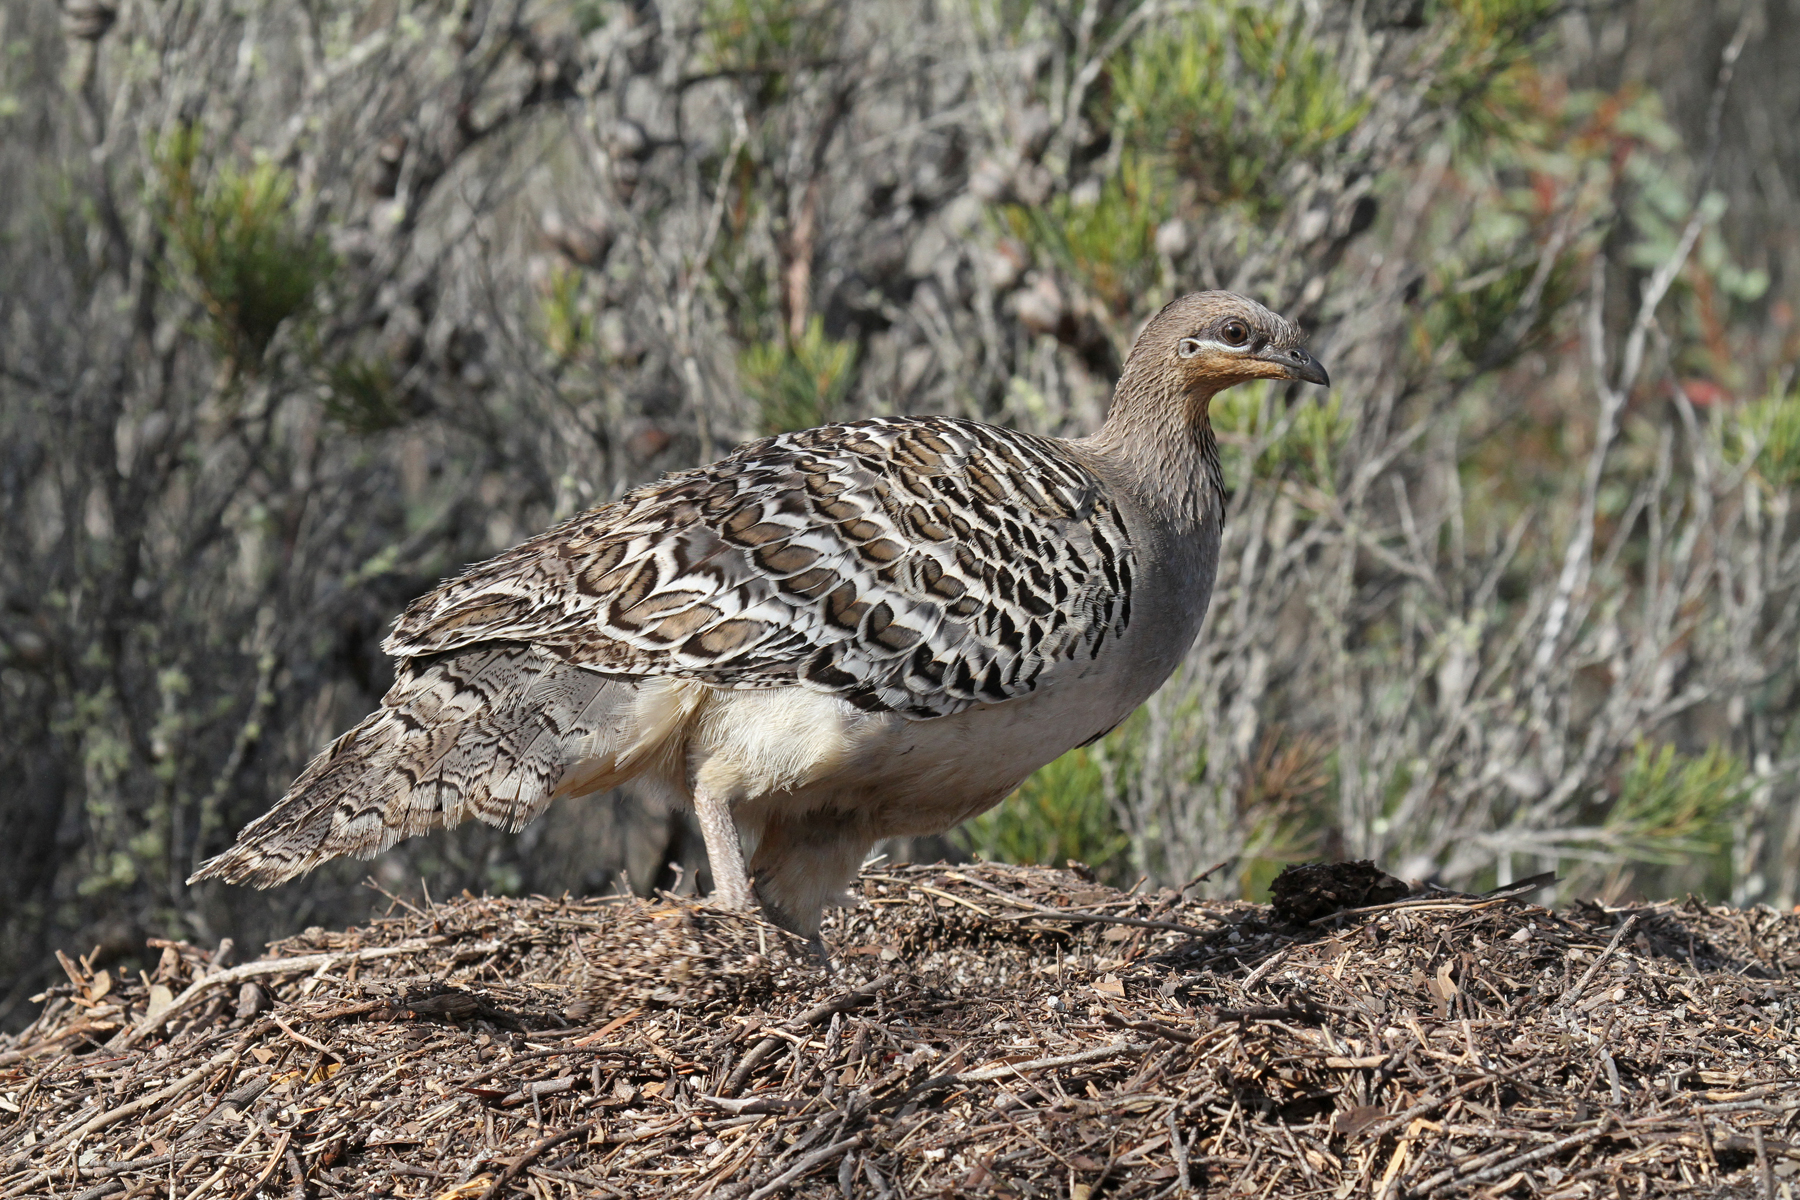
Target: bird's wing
(915, 565)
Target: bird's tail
(487, 732)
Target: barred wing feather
(916, 565)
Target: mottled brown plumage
(918, 565)
(829, 637)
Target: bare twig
(1574, 993)
(273, 966)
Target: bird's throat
(1163, 448)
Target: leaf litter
(988, 1030)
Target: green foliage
(1543, 183)
(1232, 95)
(568, 325)
(1671, 806)
(1110, 242)
(503, 878)
(1575, 168)
(361, 396)
(1770, 425)
(588, 15)
(235, 234)
(797, 385)
(1479, 308)
(1247, 416)
(1206, 110)
(1241, 412)
(1502, 281)
(1713, 281)
(1714, 290)
(111, 872)
(1482, 69)
(13, 50)
(766, 40)
(1062, 812)
(1285, 787)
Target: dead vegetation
(990, 1030)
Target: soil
(987, 1030)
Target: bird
(864, 630)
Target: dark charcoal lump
(1307, 891)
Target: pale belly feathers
(783, 753)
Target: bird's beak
(1297, 364)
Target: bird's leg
(731, 882)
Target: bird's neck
(1158, 441)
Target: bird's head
(1211, 340)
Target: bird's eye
(1188, 347)
(1235, 333)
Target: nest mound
(990, 1030)
(708, 962)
